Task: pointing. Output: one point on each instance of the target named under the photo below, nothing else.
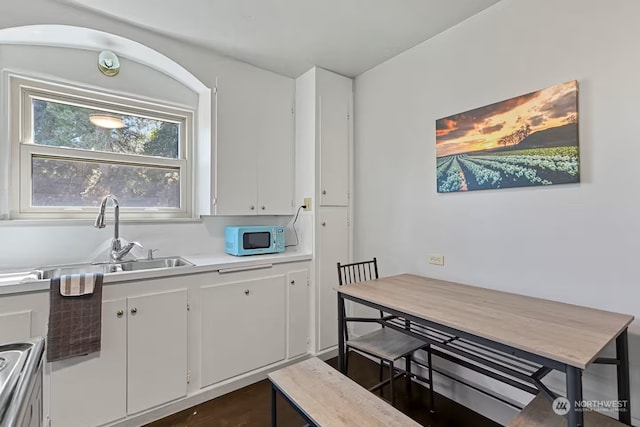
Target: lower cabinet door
(89, 390)
(298, 325)
(334, 248)
(157, 349)
(243, 327)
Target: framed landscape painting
(527, 140)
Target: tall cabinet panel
(333, 248)
(324, 147)
(334, 105)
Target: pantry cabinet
(324, 147)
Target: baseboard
(327, 354)
(205, 394)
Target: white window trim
(22, 90)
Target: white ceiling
(291, 36)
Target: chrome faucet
(117, 251)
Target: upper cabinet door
(236, 159)
(276, 152)
(254, 164)
(334, 132)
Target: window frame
(22, 92)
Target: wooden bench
(325, 397)
(539, 413)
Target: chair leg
(380, 376)
(407, 361)
(393, 395)
(346, 362)
(431, 404)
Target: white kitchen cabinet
(254, 155)
(142, 363)
(156, 349)
(91, 390)
(298, 322)
(333, 244)
(243, 325)
(334, 132)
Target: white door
(90, 390)
(156, 349)
(334, 100)
(334, 248)
(276, 153)
(298, 324)
(243, 327)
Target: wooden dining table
(554, 335)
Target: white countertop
(202, 263)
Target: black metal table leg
(341, 356)
(624, 386)
(574, 395)
(274, 415)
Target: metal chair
(386, 344)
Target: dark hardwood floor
(251, 406)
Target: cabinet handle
(119, 313)
(324, 192)
(262, 207)
(253, 207)
(324, 224)
(293, 282)
(134, 310)
(247, 291)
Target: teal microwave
(253, 239)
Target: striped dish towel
(73, 285)
(75, 322)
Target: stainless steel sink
(149, 264)
(142, 264)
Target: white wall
(240, 100)
(574, 243)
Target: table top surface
(562, 332)
(331, 399)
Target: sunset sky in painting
(482, 128)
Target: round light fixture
(106, 120)
(108, 63)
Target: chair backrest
(357, 272)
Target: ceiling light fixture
(108, 63)
(106, 120)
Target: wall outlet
(436, 259)
(307, 203)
